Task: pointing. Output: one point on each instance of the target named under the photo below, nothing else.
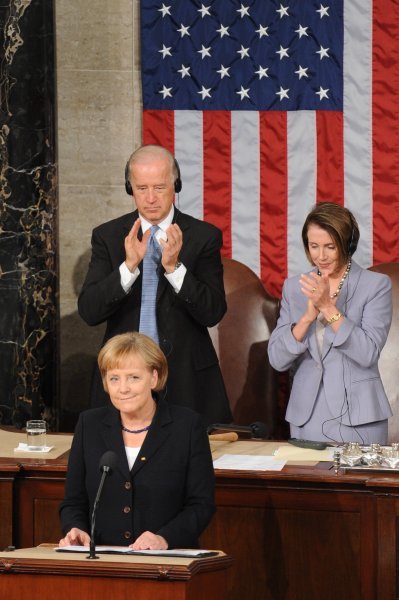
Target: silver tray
(369, 468)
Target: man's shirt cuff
(127, 277)
(176, 278)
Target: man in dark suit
(190, 295)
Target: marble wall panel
(87, 207)
(27, 212)
(95, 126)
(94, 35)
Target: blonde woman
(161, 494)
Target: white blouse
(131, 454)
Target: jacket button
(127, 535)
(126, 509)
(128, 485)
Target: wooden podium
(42, 574)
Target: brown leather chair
(241, 340)
(389, 360)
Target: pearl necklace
(135, 430)
(341, 283)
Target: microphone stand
(92, 546)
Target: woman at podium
(159, 492)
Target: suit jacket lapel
(346, 293)
(112, 436)
(128, 224)
(158, 433)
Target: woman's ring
(313, 290)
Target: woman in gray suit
(160, 494)
(333, 324)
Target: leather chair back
(241, 340)
(389, 360)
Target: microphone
(256, 430)
(108, 461)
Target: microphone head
(108, 461)
(260, 430)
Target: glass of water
(36, 434)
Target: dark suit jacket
(169, 491)
(195, 379)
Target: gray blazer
(348, 364)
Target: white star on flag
(165, 92)
(205, 92)
(185, 71)
(322, 93)
(302, 31)
(224, 71)
(165, 51)
(262, 72)
(165, 10)
(323, 10)
(302, 72)
(282, 52)
(323, 52)
(283, 93)
(283, 10)
(262, 31)
(243, 93)
(223, 30)
(243, 52)
(244, 10)
(183, 30)
(204, 10)
(204, 51)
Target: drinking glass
(36, 434)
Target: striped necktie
(148, 320)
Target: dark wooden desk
(42, 574)
(302, 533)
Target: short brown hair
(339, 222)
(121, 347)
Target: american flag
(270, 107)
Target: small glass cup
(36, 434)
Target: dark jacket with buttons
(195, 379)
(169, 491)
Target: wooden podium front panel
(292, 543)
(211, 586)
(388, 546)
(38, 499)
(6, 511)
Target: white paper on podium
(182, 553)
(245, 462)
(294, 453)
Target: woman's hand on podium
(149, 541)
(75, 537)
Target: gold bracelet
(334, 318)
